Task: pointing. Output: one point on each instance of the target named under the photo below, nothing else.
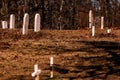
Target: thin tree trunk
(60, 17)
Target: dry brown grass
(77, 55)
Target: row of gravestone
(92, 21)
(37, 22)
(25, 23)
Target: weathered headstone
(108, 31)
(25, 24)
(90, 18)
(37, 23)
(51, 67)
(51, 61)
(4, 24)
(102, 22)
(93, 31)
(36, 72)
(12, 21)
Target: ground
(77, 55)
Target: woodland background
(64, 14)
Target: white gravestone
(51, 66)
(108, 31)
(90, 18)
(4, 25)
(25, 24)
(37, 23)
(51, 61)
(102, 22)
(12, 21)
(93, 31)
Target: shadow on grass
(113, 49)
(21, 77)
(98, 70)
(61, 70)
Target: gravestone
(25, 24)
(4, 25)
(37, 23)
(93, 31)
(12, 21)
(108, 31)
(51, 61)
(102, 22)
(90, 18)
(51, 67)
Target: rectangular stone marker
(12, 21)
(108, 31)
(51, 66)
(102, 22)
(51, 61)
(51, 74)
(93, 31)
(25, 24)
(37, 23)
(90, 18)
(4, 25)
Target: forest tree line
(62, 14)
